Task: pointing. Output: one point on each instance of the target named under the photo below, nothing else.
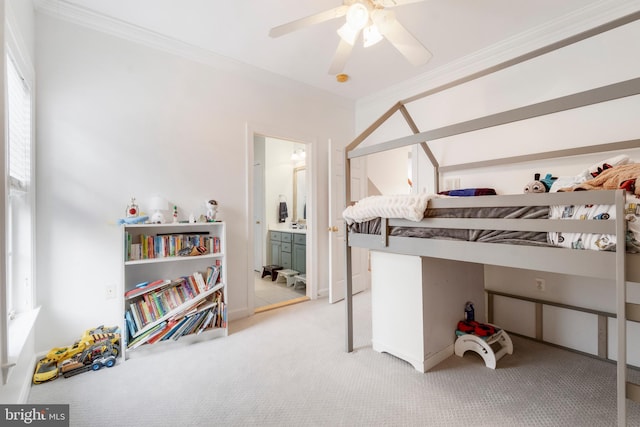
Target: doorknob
(332, 229)
(257, 222)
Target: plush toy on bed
(540, 185)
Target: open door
(337, 225)
(258, 202)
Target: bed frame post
(348, 282)
(621, 312)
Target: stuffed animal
(540, 185)
(622, 176)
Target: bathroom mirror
(299, 194)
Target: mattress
(598, 242)
(486, 236)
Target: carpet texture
(288, 368)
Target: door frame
(258, 199)
(360, 274)
(311, 147)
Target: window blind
(19, 123)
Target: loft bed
(615, 265)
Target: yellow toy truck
(100, 345)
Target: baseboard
(440, 356)
(27, 380)
(420, 364)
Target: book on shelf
(199, 282)
(213, 276)
(175, 325)
(155, 303)
(131, 327)
(144, 337)
(164, 245)
(143, 287)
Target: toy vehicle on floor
(95, 344)
(92, 359)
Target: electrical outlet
(110, 291)
(540, 284)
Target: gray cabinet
(288, 250)
(285, 253)
(276, 249)
(300, 252)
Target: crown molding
(591, 16)
(569, 25)
(78, 15)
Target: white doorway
(277, 165)
(337, 226)
(258, 202)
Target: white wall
(389, 171)
(279, 177)
(118, 119)
(602, 60)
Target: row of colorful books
(150, 302)
(207, 314)
(167, 245)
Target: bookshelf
(172, 293)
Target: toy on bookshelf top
(133, 220)
(158, 205)
(212, 210)
(132, 209)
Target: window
(20, 213)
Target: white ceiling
(238, 29)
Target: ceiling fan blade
(340, 57)
(394, 3)
(308, 21)
(401, 38)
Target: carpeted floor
(288, 367)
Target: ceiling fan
(371, 17)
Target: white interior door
(258, 203)
(337, 225)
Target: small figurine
(175, 214)
(212, 210)
(132, 209)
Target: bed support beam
(375, 125)
(384, 232)
(490, 70)
(581, 99)
(576, 151)
(425, 147)
(603, 337)
(621, 309)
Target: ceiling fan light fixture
(357, 16)
(371, 35)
